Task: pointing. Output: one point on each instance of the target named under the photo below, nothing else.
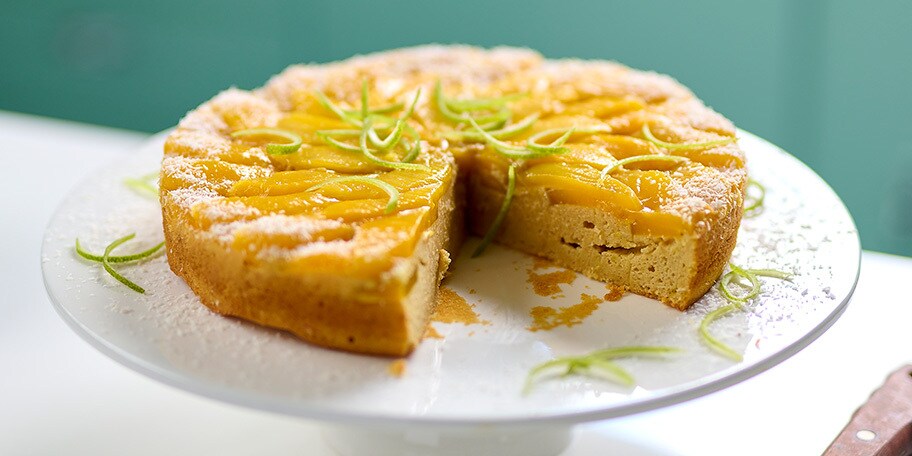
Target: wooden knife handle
(883, 425)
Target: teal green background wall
(830, 81)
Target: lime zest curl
(715, 344)
(516, 152)
(503, 133)
(591, 130)
(144, 185)
(107, 265)
(413, 152)
(736, 302)
(633, 350)
(118, 258)
(752, 276)
(106, 259)
(597, 364)
(460, 114)
(292, 146)
(647, 134)
(753, 203)
(728, 294)
(365, 119)
(375, 111)
(335, 109)
(776, 274)
(369, 155)
(501, 214)
(326, 135)
(534, 149)
(394, 136)
(638, 158)
(364, 111)
(555, 147)
(385, 186)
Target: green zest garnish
(344, 115)
(736, 302)
(362, 142)
(726, 280)
(517, 152)
(365, 119)
(106, 259)
(327, 136)
(364, 108)
(489, 128)
(504, 208)
(647, 133)
(292, 146)
(118, 258)
(457, 111)
(554, 147)
(752, 203)
(565, 135)
(532, 148)
(639, 158)
(393, 138)
(503, 133)
(413, 152)
(144, 185)
(631, 351)
(711, 341)
(375, 111)
(597, 364)
(751, 276)
(359, 114)
(386, 187)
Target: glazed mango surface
(604, 126)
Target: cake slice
(663, 227)
(329, 202)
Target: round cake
(329, 202)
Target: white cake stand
(461, 394)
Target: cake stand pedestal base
(448, 441)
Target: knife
(883, 425)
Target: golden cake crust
(333, 281)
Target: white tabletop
(60, 396)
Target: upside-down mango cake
(330, 201)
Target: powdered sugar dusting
(189, 197)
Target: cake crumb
(614, 293)
(549, 283)
(396, 368)
(472, 291)
(432, 333)
(547, 318)
(452, 308)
